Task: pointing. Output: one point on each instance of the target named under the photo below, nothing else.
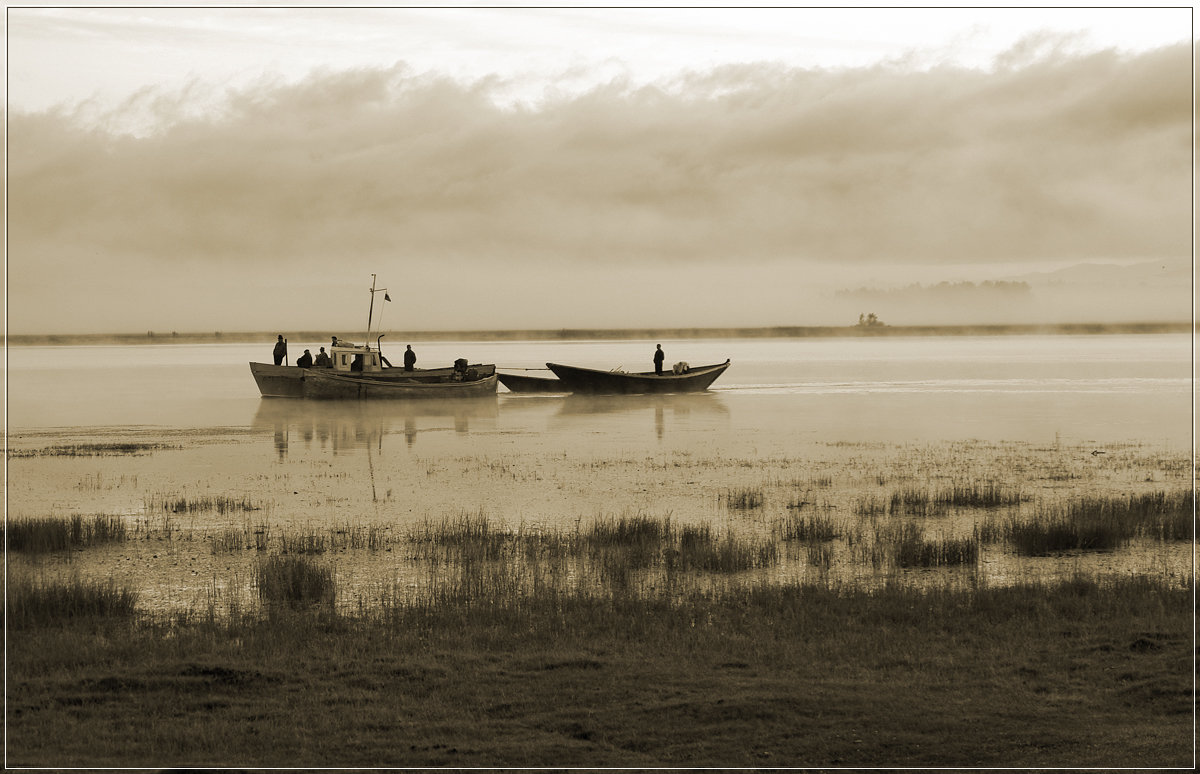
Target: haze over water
(1012, 388)
(1046, 415)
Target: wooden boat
(288, 381)
(324, 384)
(351, 362)
(522, 383)
(590, 380)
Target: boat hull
(325, 385)
(288, 381)
(593, 381)
(518, 383)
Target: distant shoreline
(583, 334)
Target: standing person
(280, 351)
(658, 359)
(323, 360)
(305, 360)
(410, 358)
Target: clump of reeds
(743, 498)
(620, 544)
(91, 450)
(1162, 515)
(915, 502)
(629, 530)
(910, 548)
(351, 536)
(807, 528)
(819, 556)
(295, 581)
(698, 548)
(987, 494)
(1098, 523)
(308, 541)
(229, 540)
(55, 533)
(220, 504)
(467, 536)
(1060, 533)
(39, 602)
(870, 506)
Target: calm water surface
(866, 412)
(1035, 388)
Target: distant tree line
(944, 290)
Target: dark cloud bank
(754, 184)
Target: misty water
(1034, 388)
(829, 418)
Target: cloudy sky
(249, 168)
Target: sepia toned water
(830, 420)
(1035, 388)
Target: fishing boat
(288, 381)
(522, 383)
(590, 380)
(324, 384)
(351, 362)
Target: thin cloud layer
(1057, 159)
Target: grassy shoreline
(620, 334)
(1091, 672)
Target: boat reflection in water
(682, 407)
(353, 425)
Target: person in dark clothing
(658, 359)
(280, 350)
(323, 360)
(305, 360)
(410, 358)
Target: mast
(370, 313)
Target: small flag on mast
(386, 297)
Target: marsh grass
(46, 601)
(915, 501)
(909, 547)
(92, 450)
(918, 501)
(983, 495)
(305, 541)
(698, 548)
(744, 498)
(219, 504)
(870, 506)
(230, 540)
(56, 533)
(371, 537)
(807, 528)
(617, 552)
(638, 530)
(465, 537)
(296, 581)
(1098, 523)
(544, 679)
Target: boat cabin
(355, 359)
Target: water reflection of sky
(737, 421)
